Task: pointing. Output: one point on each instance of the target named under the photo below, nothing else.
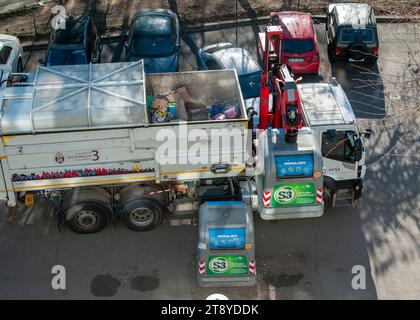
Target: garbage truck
(100, 142)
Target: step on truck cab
(328, 113)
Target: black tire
(87, 218)
(141, 214)
(327, 197)
(19, 66)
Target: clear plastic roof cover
(76, 97)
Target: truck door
(339, 153)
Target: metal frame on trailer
(44, 92)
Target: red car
(300, 47)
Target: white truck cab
(329, 114)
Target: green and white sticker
(293, 194)
(227, 265)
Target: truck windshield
(298, 45)
(340, 147)
(152, 45)
(357, 35)
(66, 57)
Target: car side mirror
(42, 62)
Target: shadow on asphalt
(364, 88)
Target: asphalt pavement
(296, 259)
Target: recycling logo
(219, 265)
(285, 194)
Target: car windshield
(152, 45)
(66, 57)
(298, 45)
(356, 35)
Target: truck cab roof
(325, 104)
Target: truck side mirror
(367, 133)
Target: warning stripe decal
(267, 198)
(319, 197)
(201, 267)
(251, 267)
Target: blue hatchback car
(230, 56)
(154, 36)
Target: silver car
(11, 53)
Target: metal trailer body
(329, 114)
(75, 126)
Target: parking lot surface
(296, 259)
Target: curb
(229, 24)
(263, 20)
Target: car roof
(2, 43)
(7, 37)
(296, 25)
(353, 13)
(234, 57)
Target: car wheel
(86, 218)
(19, 66)
(141, 214)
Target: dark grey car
(352, 33)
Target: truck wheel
(87, 217)
(327, 197)
(141, 214)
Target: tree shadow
(99, 11)
(119, 49)
(363, 86)
(252, 14)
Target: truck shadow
(364, 88)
